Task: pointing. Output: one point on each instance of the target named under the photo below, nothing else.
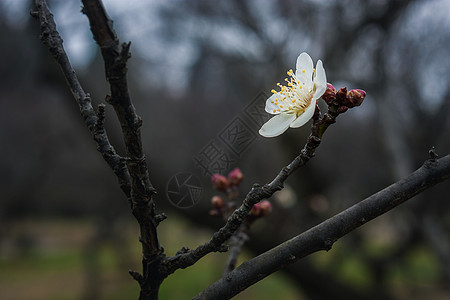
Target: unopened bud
(256, 210)
(261, 209)
(356, 97)
(265, 207)
(213, 213)
(219, 182)
(341, 96)
(217, 202)
(342, 109)
(235, 177)
(330, 93)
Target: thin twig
(237, 241)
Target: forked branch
(132, 171)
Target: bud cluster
(342, 99)
(261, 209)
(229, 185)
(224, 184)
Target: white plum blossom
(295, 103)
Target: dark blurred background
(198, 68)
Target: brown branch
(132, 171)
(324, 235)
(51, 38)
(237, 241)
(142, 204)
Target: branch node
(125, 51)
(152, 191)
(183, 250)
(328, 244)
(432, 153)
(34, 13)
(136, 276)
(223, 248)
(159, 218)
(99, 124)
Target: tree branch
(133, 176)
(324, 235)
(51, 38)
(237, 241)
(142, 205)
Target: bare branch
(237, 241)
(133, 176)
(142, 205)
(115, 59)
(51, 38)
(324, 235)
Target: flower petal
(306, 116)
(304, 62)
(270, 107)
(277, 125)
(320, 80)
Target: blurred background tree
(195, 66)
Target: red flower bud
(261, 209)
(341, 96)
(213, 213)
(356, 97)
(330, 93)
(217, 202)
(342, 109)
(219, 182)
(235, 177)
(256, 211)
(265, 207)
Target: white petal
(320, 80)
(304, 62)
(277, 125)
(270, 107)
(306, 116)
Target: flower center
(295, 97)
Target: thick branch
(51, 38)
(322, 236)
